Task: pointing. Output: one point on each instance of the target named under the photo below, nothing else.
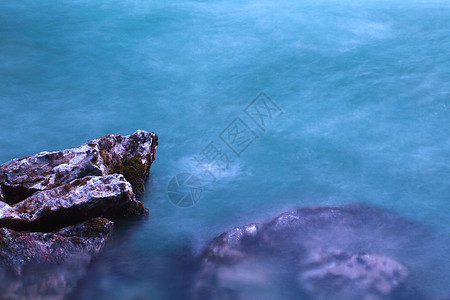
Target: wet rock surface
(56, 210)
(76, 201)
(37, 265)
(351, 276)
(81, 241)
(349, 252)
(130, 155)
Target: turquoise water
(364, 87)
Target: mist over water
(363, 85)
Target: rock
(3, 207)
(230, 246)
(64, 253)
(130, 155)
(348, 252)
(352, 276)
(62, 199)
(108, 196)
(80, 241)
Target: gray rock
(36, 265)
(108, 196)
(349, 252)
(3, 208)
(130, 155)
(230, 246)
(80, 241)
(336, 274)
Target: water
(364, 86)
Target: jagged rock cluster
(312, 253)
(57, 208)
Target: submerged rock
(76, 190)
(37, 265)
(351, 276)
(69, 244)
(130, 155)
(349, 252)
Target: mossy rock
(132, 168)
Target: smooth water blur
(364, 86)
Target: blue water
(364, 87)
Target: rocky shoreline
(57, 210)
